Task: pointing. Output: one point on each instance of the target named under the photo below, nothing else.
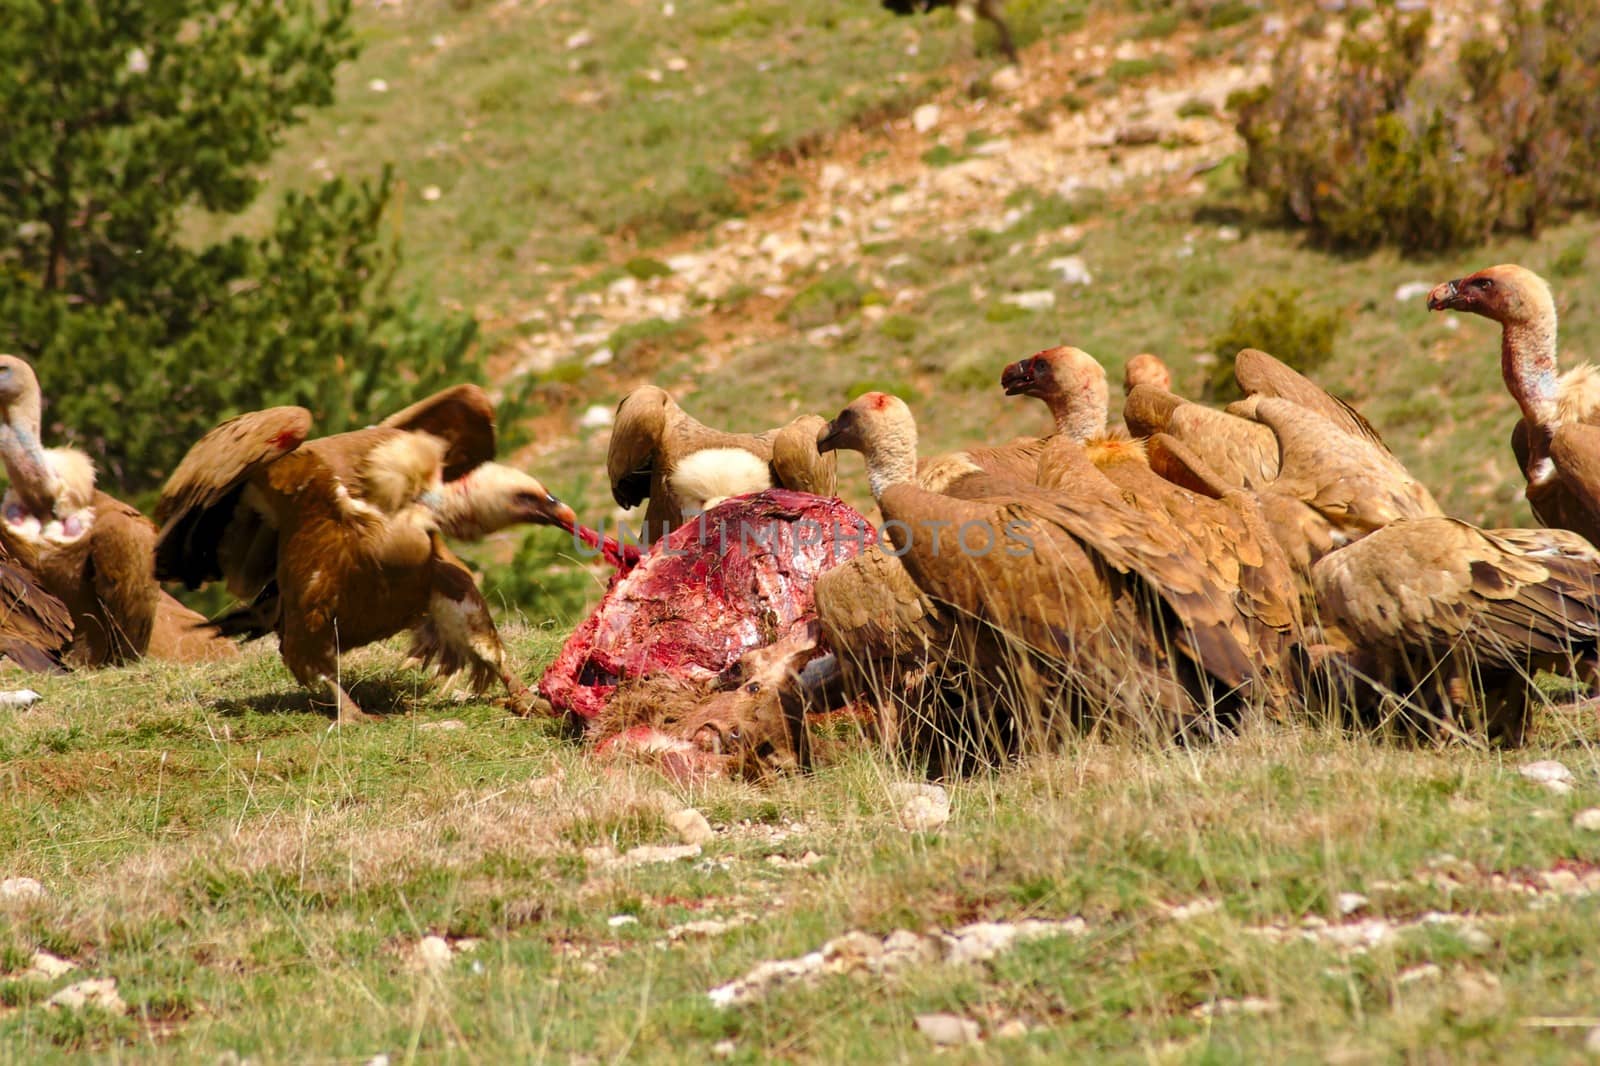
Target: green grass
(258, 883)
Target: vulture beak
(538, 507)
(1017, 378)
(828, 436)
(1446, 296)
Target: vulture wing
(35, 627)
(796, 463)
(1435, 582)
(871, 610)
(462, 417)
(1573, 501)
(1259, 374)
(198, 502)
(1241, 453)
(120, 554)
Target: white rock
(922, 807)
(1008, 79)
(431, 193)
(95, 992)
(677, 64)
(1228, 234)
(1073, 270)
(1452, 323)
(378, 85)
(617, 921)
(44, 966)
(596, 416)
(1183, 912)
(1411, 290)
(1349, 902)
(1035, 300)
(1426, 971)
(138, 61)
(833, 175)
(668, 10)
(433, 954)
(1000, 146)
(647, 854)
(724, 1049)
(691, 826)
(1549, 773)
(599, 357)
(20, 890)
(948, 1030)
(21, 698)
(925, 118)
(1591, 1042)
(380, 1059)
(448, 725)
(1587, 819)
(581, 39)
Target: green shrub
(644, 268)
(1386, 148)
(1276, 321)
(827, 299)
(639, 345)
(902, 328)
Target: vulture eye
(753, 687)
(1484, 283)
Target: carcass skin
(704, 596)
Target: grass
(257, 883)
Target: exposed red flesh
(622, 556)
(738, 578)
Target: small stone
(1546, 771)
(596, 416)
(1073, 270)
(95, 992)
(1349, 902)
(948, 1030)
(1183, 912)
(925, 118)
(1591, 1042)
(430, 193)
(1008, 79)
(1426, 971)
(677, 64)
(599, 357)
(833, 175)
(1035, 300)
(722, 1049)
(648, 854)
(691, 826)
(922, 807)
(617, 921)
(20, 890)
(433, 954)
(47, 967)
(448, 725)
(378, 85)
(1587, 819)
(1411, 290)
(138, 61)
(1011, 1029)
(1477, 941)
(581, 39)
(380, 1059)
(852, 947)
(1228, 234)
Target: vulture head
(493, 497)
(1070, 381)
(1508, 294)
(880, 427)
(1146, 369)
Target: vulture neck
(892, 459)
(475, 504)
(1083, 422)
(33, 479)
(1528, 365)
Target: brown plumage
(35, 627)
(1260, 374)
(1439, 612)
(1554, 405)
(652, 435)
(1146, 369)
(87, 548)
(1064, 571)
(1241, 452)
(337, 542)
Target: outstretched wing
(462, 417)
(198, 502)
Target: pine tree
(116, 118)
